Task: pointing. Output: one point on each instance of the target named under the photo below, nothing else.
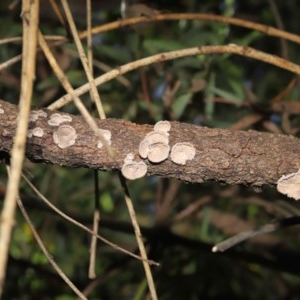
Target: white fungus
(144, 148)
(1, 109)
(129, 157)
(290, 185)
(133, 170)
(65, 136)
(155, 145)
(182, 152)
(107, 136)
(164, 126)
(157, 137)
(35, 114)
(38, 132)
(56, 119)
(158, 152)
(29, 133)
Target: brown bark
(233, 157)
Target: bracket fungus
(132, 169)
(182, 152)
(290, 185)
(35, 114)
(56, 119)
(37, 132)
(107, 136)
(158, 152)
(164, 126)
(65, 136)
(155, 145)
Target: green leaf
(180, 103)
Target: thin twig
(231, 48)
(139, 238)
(268, 30)
(43, 248)
(83, 59)
(78, 224)
(243, 236)
(96, 214)
(30, 10)
(69, 89)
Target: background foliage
(180, 221)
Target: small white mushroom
(38, 131)
(144, 148)
(57, 119)
(164, 126)
(133, 170)
(158, 152)
(129, 157)
(290, 185)
(107, 136)
(35, 114)
(65, 136)
(182, 152)
(157, 137)
(29, 133)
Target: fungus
(38, 131)
(157, 137)
(290, 185)
(107, 136)
(158, 152)
(129, 157)
(164, 126)
(1, 109)
(57, 119)
(133, 170)
(65, 136)
(144, 148)
(29, 133)
(35, 114)
(182, 152)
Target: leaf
(180, 103)
(227, 95)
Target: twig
(231, 48)
(68, 87)
(83, 59)
(78, 224)
(243, 236)
(44, 250)
(139, 238)
(30, 11)
(268, 30)
(96, 214)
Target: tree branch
(234, 157)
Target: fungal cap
(38, 131)
(65, 136)
(129, 158)
(134, 170)
(164, 126)
(182, 152)
(107, 136)
(35, 114)
(158, 152)
(144, 148)
(56, 119)
(157, 137)
(290, 185)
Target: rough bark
(234, 157)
